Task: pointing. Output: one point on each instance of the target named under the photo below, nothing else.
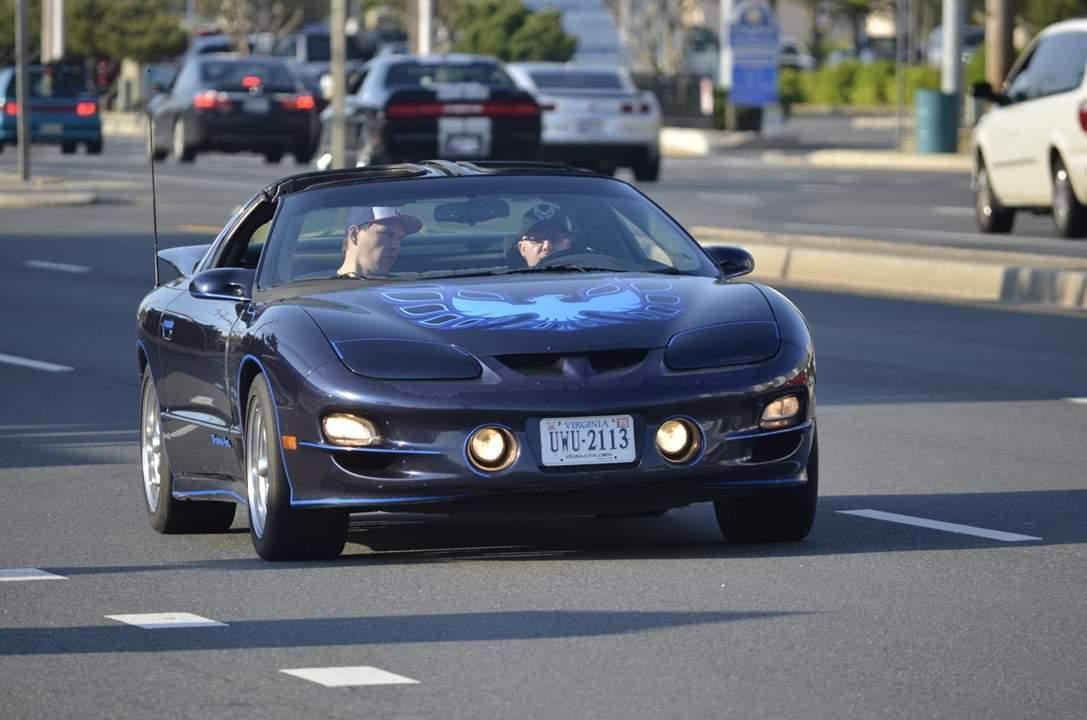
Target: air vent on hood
(544, 364)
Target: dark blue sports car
(463, 338)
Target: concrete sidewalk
(45, 191)
(852, 264)
(874, 160)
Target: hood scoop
(573, 364)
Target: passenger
(371, 243)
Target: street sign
(755, 37)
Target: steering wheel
(578, 256)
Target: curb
(875, 160)
(122, 124)
(45, 199)
(918, 270)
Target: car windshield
(238, 74)
(416, 74)
(483, 225)
(575, 80)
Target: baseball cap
(363, 215)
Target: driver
(545, 238)
(371, 243)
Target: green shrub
(870, 84)
(789, 90)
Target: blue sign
(755, 37)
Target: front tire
(772, 515)
(992, 217)
(168, 514)
(278, 531)
(1069, 215)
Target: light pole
(425, 11)
(22, 91)
(338, 138)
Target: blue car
(63, 109)
(461, 338)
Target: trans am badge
(615, 302)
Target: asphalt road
(940, 413)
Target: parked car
(1030, 149)
(594, 117)
(629, 370)
(63, 109)
(411, 107)
(234, 103)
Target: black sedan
(457, 107)
(463, 338)
(230, 103)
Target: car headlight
(492, 448)
(349, 430)
(678, 440)
(781, 413)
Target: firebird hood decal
(610, 303)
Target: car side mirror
(984, 91)
(224, 284)
(733, 261)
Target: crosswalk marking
(350, 676)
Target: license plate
(595, 440)
(464, 144)
(256, 105)
(590, 126)
(51, 128)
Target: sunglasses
(557, 237)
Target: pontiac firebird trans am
(625, 371)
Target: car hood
(536, 314)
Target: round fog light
(492, 448)
(678, 440)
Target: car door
(1051, 119)
(202, 434)
(1006, 156)
(165, 112)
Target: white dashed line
(939, 525)
(1078, 401)
(350, 676)
(59, 267)
(21, 574)
(166, 621)
(33, 364)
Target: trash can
(937, 116)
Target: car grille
(555, 364)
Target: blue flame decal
(612, 303)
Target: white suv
(1030, 150)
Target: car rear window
(414, 74)
(55, 83)
(229, 75)
(571, 80)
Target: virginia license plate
(594, 440)
(256, 105)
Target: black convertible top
(424, 169)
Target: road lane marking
(954, 211)
(21, 574)
(33, 364)
(58, 267)
(1078, 401)
(939, 525)
(202, 229)
(166, 621)
(350, 676)
(908, 233)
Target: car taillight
(420, 110)
(1083, 116)
(643, 108)
(86, 109)
(514, 109)
(11, 108)
(210, 100)
(299, 102)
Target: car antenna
(154, 203)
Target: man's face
(535, 248)
(378, 246)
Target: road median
(862, 265)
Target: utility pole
(724, 26)
(426, 10)
(52, 35)
(22, 90)
(951, 63)
(337, 25)
(998, 41)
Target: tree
(1041, 13)
(143, 30)
(7, 30)
(240, 18)
(509, 30)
